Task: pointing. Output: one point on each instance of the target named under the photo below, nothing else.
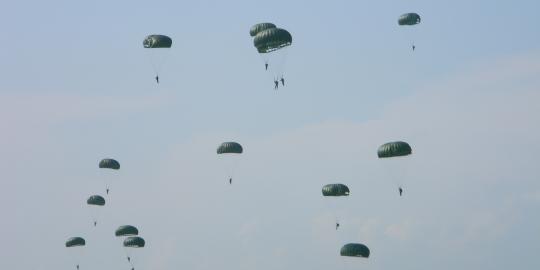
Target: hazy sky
(77, 87)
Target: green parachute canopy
(272, 39)
(96, 200)
(75, 242)
(157, 41)
(394, 149)
(409, 19)
(134, 242)
(335, 190)
(355, 250)
(254, 30)
(126, 230)
(109, 163)
(230, 147)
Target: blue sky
(77, 87)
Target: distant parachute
(394, 149)
(126, 230)
(75, 242)
(111, 166)
(409, 19)
(159, 47)
(95, 202)
(74, 245)
(355, 250)
(130, 244)
(229, 151)
(109, 163)
(260, 27)
(335, 190)
(230, 148)
(272, 39)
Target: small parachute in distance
(126, 230)
(255, 29)
(75, 242)
(335, 190)
(134, 242)
(272, 39)
(157, 41)
(96, 200)
(109, 163)
(394, 149)
(355, 250)
(409, 19)
(230, 148)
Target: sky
(77, 86)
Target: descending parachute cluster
(271, 42)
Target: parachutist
(95, 223)
(276, 82)
(265, 66)
(77, 267)
(282, 81)
(129, 259)
(413, 47)
(157, 79)
(230, 181)
(337, 225)
(400, 191)
(107, 191)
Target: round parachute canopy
(134, 242)
(394, 149)
(254, 30)
(75, 242)
(157, 41)
(126, 230)
(335, 190)
(109, 163)
(272, 39)
(355, 250)
(230, 147)
(409, 19)
(96, 200)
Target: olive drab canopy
(75, 242)
(96, 200)
(272, 39)
(409, 19)
(126, 230)
(134, 242)
(254, 30)
(394, 149)
(335, 190)
(157, 41)
(230, 147)
(355, 250)
(109, 163)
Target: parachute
(409, 19)
(229, 151)
(126, 230)
(95, 202)
(158, 51)
(394, 149)
(74, 245)
(230, 148)
(130, 244)
(111, 166)
(260, 27)
(75, 242)
(109, 163)
(395, 156)
(332, 192)
(335, 190)
(355, 250)
(271, 43)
